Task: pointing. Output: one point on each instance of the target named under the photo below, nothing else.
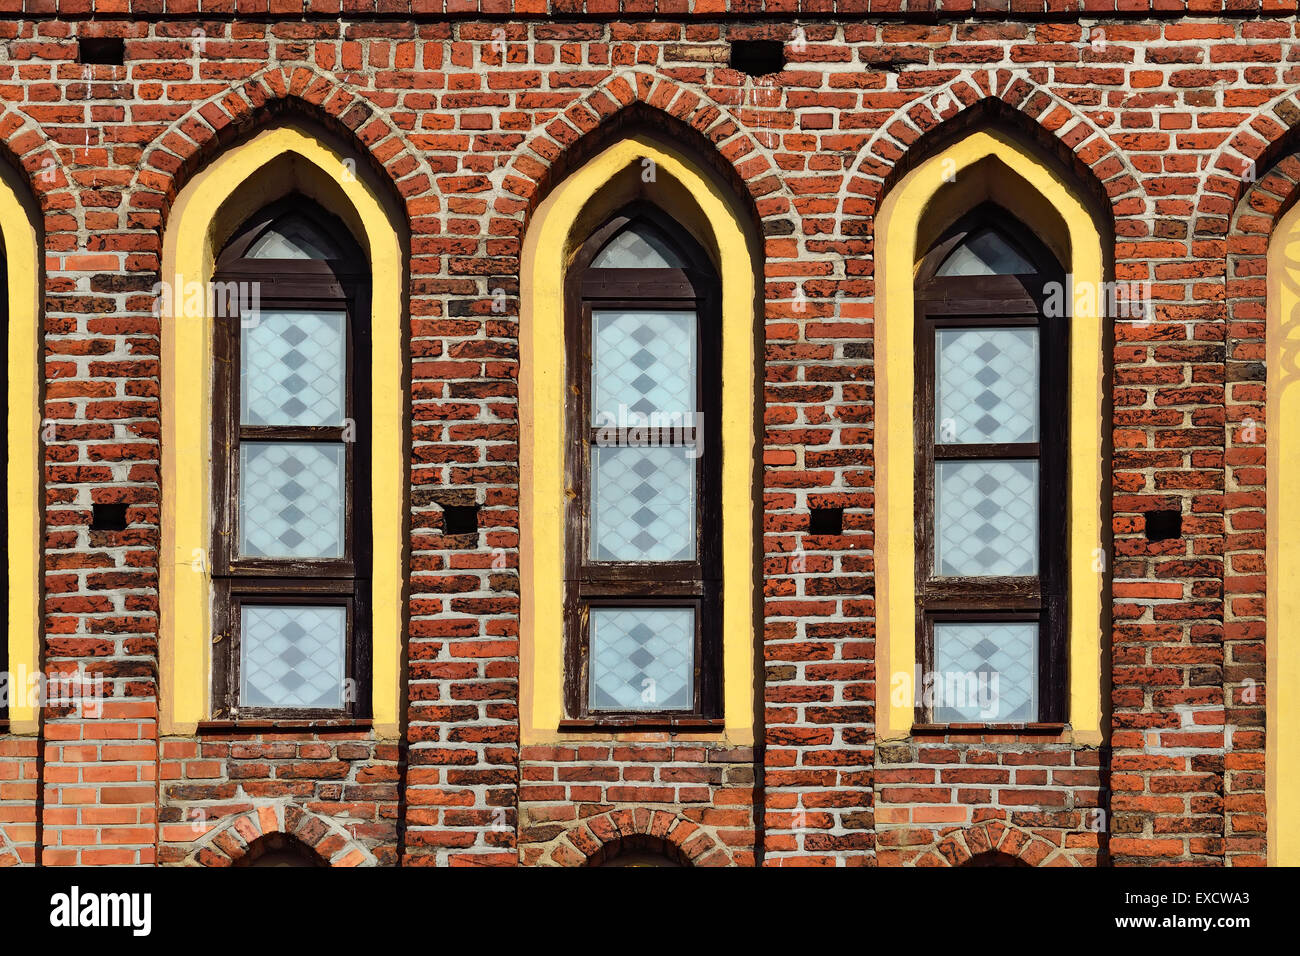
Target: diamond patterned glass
(986, 518)
(291, 656)
(644, 361)
(985, 671)
(643, 504)
(639, 246)
(291, 499)
(642, 658)
(293, 367)
(986, 253)
(293, 237)
(987, 385)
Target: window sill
(647, 724)
(264, 724)
(1042, 729)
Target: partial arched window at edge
(991, 422)
(643, 574)
(291, 542)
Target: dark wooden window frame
(1005, 301)
(292, 284)
(590, 583)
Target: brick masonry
(1156, 108)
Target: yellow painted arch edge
(189, 254)
(897, 223)
(1282, 752)
(22, 260)
(542, 380)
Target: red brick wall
(1153, 117)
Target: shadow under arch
(639, 849)
(280, 850)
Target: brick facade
(1156, 110)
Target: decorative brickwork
(467, 113)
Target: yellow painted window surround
(1282, 757)
(243, 179)
(22, 262)
(694, 197)
(983, 166)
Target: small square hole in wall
(106, 51)
(757, 57)
(108, 517)
(460, 519)
(826, 521)
(1164, 525)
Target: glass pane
(987, 385)
(642, 658)
(643, 504)
(293, 237)
(986, 518)
(292, 369)
(639, 246)
(291, 500)
(643, 362)
(986, 252)
(985, 671)
(291, 656)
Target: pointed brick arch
(983, 841)
(638, 95)
(1237, 168)
(1011, 94)
(38, 159)
(689, 842)
(233, 838)
(1257, 207)
(195, 138)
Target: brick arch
(1248, 232)
(9, 855)
(991, 839)
(987, 95)
(232, 839)
(1257, 144)
(37, 159)
(594, 121)
(687, 842)
(301, 89)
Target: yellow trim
(210, 207)
(982, 166)
(22, 260)
(1282, 753)
(562, 220)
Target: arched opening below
(638, 850)
(994, 858)
(280, 849)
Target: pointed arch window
(643, 574)
(291, 562)
(991, 421)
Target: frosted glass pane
(293, 237)
(642, 658)
(986, 518)
(644, 362)
(643, 504)
(292, 369)
(987, 385)
(986, 253)
(985, 672)
(639, 246)
(291, 499)
(291, 656)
